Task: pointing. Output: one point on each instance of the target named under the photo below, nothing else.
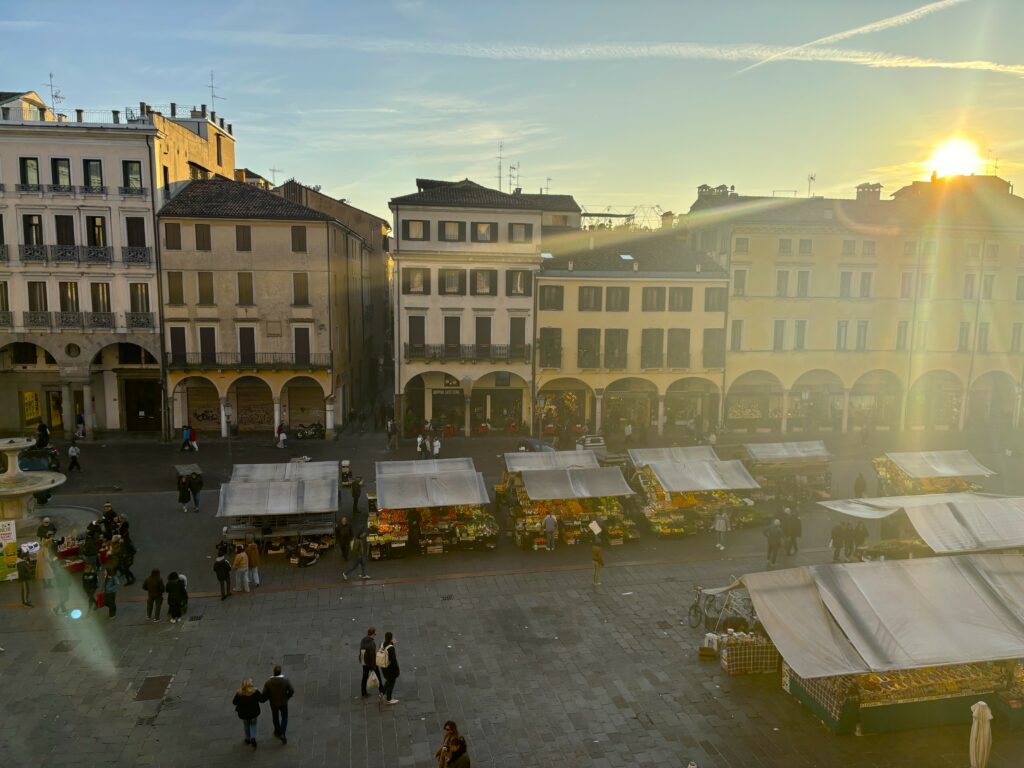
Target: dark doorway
(142, 405)
(483, 338)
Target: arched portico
(500, 401)
(32, 388)
(302, 400)
(252, 405)
(630, 400)
(691, 406)
(815, 402)
(876, 400)
(566, 407)
(754, 401)
(935, 401)
(992, 401)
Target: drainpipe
(166, 426)
(397, 334)
(332, 370)
(726, 341)
(974, 341)
(533, 354)
(912, 340)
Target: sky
(623, 105)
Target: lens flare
(75, 614)
(955, 157)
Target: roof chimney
(869, 192)
(222, 123)
(174, 109)
(229, 129)
(666, 219)
(213, 117)
(79, 115)
(202, 110)
(116, 114)
(142, 109)
(517, 191)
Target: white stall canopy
(519, 461)
(698, 476)
(277, 497)
(444, 489)
(307, 470)
(883, 506)
(927, 464)
(575, 483)
(641, 457)
(810, 450)
(425, 467)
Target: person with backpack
(387, 662)
(222, 568)
(186, 433)
(25, 573)
(154, 586)
(176, 596)
(359, 547)
(368, 658)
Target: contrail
(876, 26)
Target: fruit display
(893, 481)
(684, 514)
(441, 529)
(933, 683)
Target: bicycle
(705, 603)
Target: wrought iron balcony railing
(32, 252)
(99, 320)
(98, 254)
(69, 319)
(65, 254)
(28, 187)
(138, 320)
(6, 318)
(36, 319)
(61, 189)
(287, 360)
(133, 191)
(92, 189)
(135, 254)
(469, 353)
(3, 252)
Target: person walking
(359, 547)
(774, 535)
(252, 551)
(80, 426)
(184, 492)
(73, 453)
(222, 568)
(91, 548)
(241, 568)
(111, 585)
(126, 555)
(282, 436)
(796, 529)
(90, 585)
(722, 526)
(459, 757)
(598, 558)
(195, 486)
(44, 562)
(451, 733)
(389, 667)
(154, 586)
(437, 447)
(193, 435)
(345, 537)
(368, 658)
(185, 434)
(392, 435)
(860, 486)
(247, 705)
(838, 542)
(24, 567)
(550, 530)
(176, 596)
(277, 691)
(357, 490)
(849, 540)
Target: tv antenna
(811, 178)
(273, 175)
(213, 92)
(56, 97)
(501, 147)
(513, 173)
(547, 185)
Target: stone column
(846, 409)
(90, 419)
(597, 413)
(277, 414)
(178, 419)
(785, 411)
(328, 416)
(467, 397)
(67, 410)
(904, 396)
(661, 414)
(963, 409)
(223, 417)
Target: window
(742, 245)
(175, 288)
(902, 332)
(588, 348)
(178, 347)
(862, 335)
(785, 246)
(968, 287)
(560, 219)
(60, 172)
(204, 281)
(243, 237)
(906, 285)
(416, 280)
(68, 293)
(451, 282)
(300, 289)
(37, 301)
(452, 231)
(779, 336)
(845, 284)
(615, 347)
(483, 337)
(868, 248)
(678, 347)
(483, 282)
(245, 292)
(589, 298)
(138, 297)
(203, 237)
(247, 344)
(484, 231)
(983, 337)
(518, 282)
(33, 225)
(805, 247)
(5, 303)
(987, 283)
(1015, 337)
(680, 299)
(65, 229)
(714, 347)
(849, 247)
(654, 300)
(99, 294)
(417, 326)
(616, 299)
(841, 331)
(29, 171)
(964, 339)
(865, 285)
(131, 171)
(520, 233)
(96, 231)
(910, 248)
(930, 247)
(551, 297)
(135, 226)
(172, 236)
(736, 338)
(714, 299)
(924, 286)
(415, 229)
(550, 347)
(803, 283)
(208, 344)
(992, 251)
(739, 282)
(782, 283)
(220, 151)
(92, 174)
(298, 239)
(921, 342)
(800, 335)
(652, 348)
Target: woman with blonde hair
(247, 705)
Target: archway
(754, 401)
(197, 404)
(566, 407)
(252, 405)
(935, 400)
(32, 391)
(125, 387)
(691, 406)
(816, 401)
(434, 396)
(303, 402)
(499, 402)
(992, 400)
(631, 401)
(875, 400)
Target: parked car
(35, 460)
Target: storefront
(790, 472)
(911, 473)
(633, 401)
(447, 406)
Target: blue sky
(620, 104)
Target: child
(73, 452)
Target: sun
(955, 157)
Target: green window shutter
(426, 282)
(462, 231)
(462, 282)
(528, 283)
(493, 282)
(472, 281)
(509, 277)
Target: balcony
(28, 188)
(91, 189)
(60, 189)
(281, 360)
(99, 320)
(132, 191)
(6, 318)
(469, 353)
(32, 253)
(139, 320)
(36, 319)
(69, 319)
(135, 254)
(98, 254)
(64, 254)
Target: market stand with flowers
(790, 472)
(918, 472)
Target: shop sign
(9, 547)
(447, 391)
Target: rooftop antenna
(56, 97)
(213, 92)
(811, 178)
(501, 147)
(513, 176)
(273, 175)
(547, 185)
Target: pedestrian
(177, 596)
(451, 733)
(24, 567)
(42, 435)
(46, 529)
(247, 705)
(91, 547)
(357, 490)
(774, 535)
(282, 437)
(419, 446)
(277, 691)
(359, 546)
(387, 660)
(437, 447)
(195, 485)
(63, 581)
(107, 522)
(345, 537)
(111, 584)
(80, 426)
(838, 541)
(126, 557)
(550, 530)
(222, 568)
(185, 433)
(796, 529)
(459, 757)
(90, 585)
(598, 557)
(860, 486)
(193, 434)
(73, 453)
(368, 658)
(240, 566)
(252, 551)
(392, 435)
(860, 534)
(849, 540)
(44, 562)
(154, 586)
(722, 526)
(184, 492)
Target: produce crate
(749, 655)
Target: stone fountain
(17, 487)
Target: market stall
(790, 473)
(508, 493)
(430, 507)
(293, 470)
(917, 472)
(902, 644)
(272, 511)
(683, 497)
(641, 457)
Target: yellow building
(630, 329)
(885, 314)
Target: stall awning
(698, 476)
(978, 525)
(425, 467)
(277, 497)
(641, 457)
(517, 462)
(575, 483)
(811, 450)
(443, 489)
(307, 470)
(926, 464)
(188, 469)
(883, 506)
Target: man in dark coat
(391, 670)
(838, 541)
(345, 537)
(195, 484)
(774, 535)
(368, 658)
(277, 691)
(860, 486)
(357, 490)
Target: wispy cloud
(899, 20)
